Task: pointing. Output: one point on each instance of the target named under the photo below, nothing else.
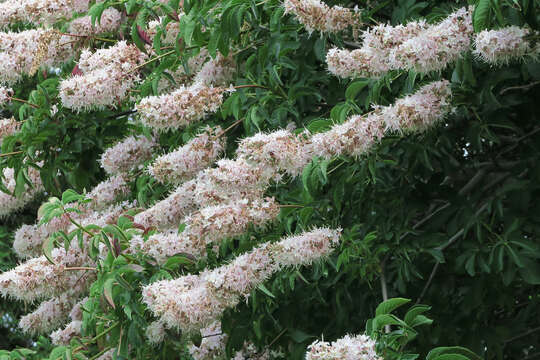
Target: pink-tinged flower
(355, 137)
(109, 191)
(359, 347)
(10, 203)
(194, 301)
(107, 76)
(22, 53)
(415, 45)
(232, 180)
(184, 163)
(437, 46)
(110, 21)
(419, 111)
(8, 126)
(5, 97)
(280, 150)
(358, 135)
(50, 315)
(39, 12)
(316, 15)
(108, 355)
(208, 226)
(171, 210)
(180, 108)
(155, 332)
(504, 45)
(76, 312)
(212, 345)
(37, 278)
(64, 336)
(216, 72)
(127, 154)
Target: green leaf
(414, 312)
(107, 291)
(481, 15)
(266, 291)
(355, 88)
(465, 353)
(386, 307)
(47, 247)
(382, 320)
(70, 196)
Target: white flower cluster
(359, 347)
(192, 302)
(504, 45)
(316, 15)
(21, 53)
(8, 126)
(10, 203)
(357, 135)
(107, 76)
(48, 316)
(39, 11)
(184, 163)
(5, 98)
(416, 45)
(180, 108)
(208, 226)
(109, 21)
(127, 154)
(64, 336)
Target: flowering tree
(284, 179)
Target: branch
(384, 292)
(521, 87)
(522, 335)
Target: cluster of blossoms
(503, 45)
(356, 136)
(39, 11)
(280, 150)
(189, 104)
(316, 15)
(10, 203)
(127, 155)
(110, 21)
(28, 239)
(171, 30)
(5, 98)
(413, 46)
(64, 336)
(180, 108)
(109, 191)
(8, 126)
(107, 76)
(212, 347)
(192, 302)
(216, 72)
(48, 316)
(21, 53)
(171, 210)
(359, 347)
(37, 278)
(184, 74)
(184, 163)
(209, 226)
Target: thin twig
(519, 336)
(24, 102)
(277, 337)
(80, 268)
(384, 290)
(231, 126)
(250, 86)
(11, 153)
(521, 87)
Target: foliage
(447, 218)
